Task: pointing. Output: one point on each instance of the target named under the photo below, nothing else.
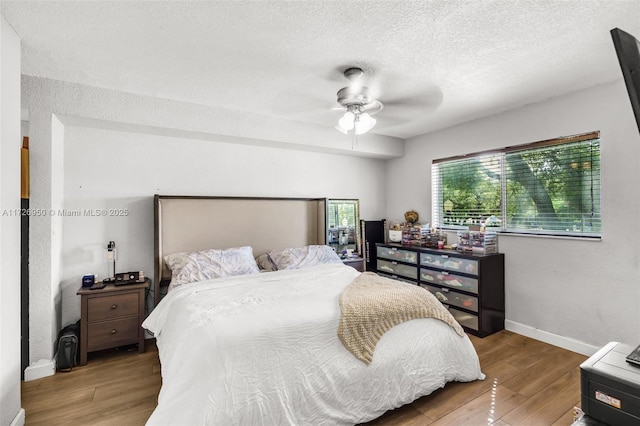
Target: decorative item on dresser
(111, 317)
(470, 286)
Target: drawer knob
(114, 331)
(114, 306)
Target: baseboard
(553, 339)
(40, 369)
(19, 419)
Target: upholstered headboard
(184, 223)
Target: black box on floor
(610, 386)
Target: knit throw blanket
(372, 304)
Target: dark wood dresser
(111, 317)
(470, 286)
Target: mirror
(343, 225)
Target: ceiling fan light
(359, 105)
(346, 122)
(364, 124)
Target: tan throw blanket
(372, 304)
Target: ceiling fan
(357, 105)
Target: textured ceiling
(433, 63)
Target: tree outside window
(550, 187)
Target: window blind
(467, 190)
(555, 189)
(549, 187)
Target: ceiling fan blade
(372, 107)
(423, 101)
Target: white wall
(44, 235)
(93, 148)
(578, 294)
(121, 170)
(119, 149)
(10, 143)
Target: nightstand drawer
(400, 255)
(450, 297)
(107, 332)
(110, 307)
(395, 268)
(450, 280)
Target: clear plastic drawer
(397, 254)
(465, 319)
(450, 297)
(395, 268)
(455, 264)
(399, 278)
(450, 280)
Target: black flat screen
(628, 50)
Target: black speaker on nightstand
(372, 231)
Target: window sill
(555, 237)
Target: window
(342, 213)
(550, 188)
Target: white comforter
(263, 350)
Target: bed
(261, 348)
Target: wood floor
(528, 383)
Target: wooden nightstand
(111, 317)
(355, 262)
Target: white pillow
(303, 257)
(209, 264)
